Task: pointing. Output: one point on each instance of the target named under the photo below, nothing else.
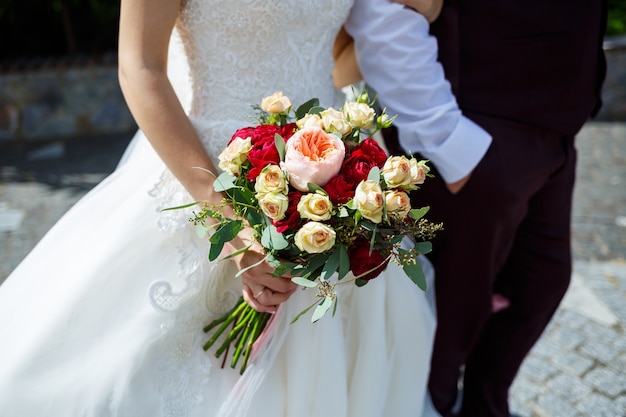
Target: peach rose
(312, 156)
(315, 237)
(274, 205)
(369, 200)
(419, 170)
(276, 103)
(398, 204)
(271, 180)
(315, 206)
(397, 172)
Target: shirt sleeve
(398, 59)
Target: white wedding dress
(105, 316)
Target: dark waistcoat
(539, 62)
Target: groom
(528, 73)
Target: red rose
(362, 261)
(292, 218)
(362, 159)
(263, 150)
(340, 189)
(246, 132)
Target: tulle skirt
(105, 318)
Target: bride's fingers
(255, 302)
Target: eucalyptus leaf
(417, 214)
(342, 212)
(344, 261)
(413, 269)
(283, 268)
(304, 282)
(360, 282)
(279, 142)
(226, 231)
(374, 174)
(322, 308)
(215, 250)
(302, 313)
(224, 181)
(241, 272)
(314, 188)
(180, 207)
(201, 230)
(423, 247)
(331, 265)
(316, 110)
(254, 218)
(305, 108)
(335, 305)
(237, 252)
(272, 239)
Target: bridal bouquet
(325, 201)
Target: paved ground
(577, 369)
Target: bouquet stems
(247, 326)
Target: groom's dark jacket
(539, 62)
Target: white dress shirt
(398, 58)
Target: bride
(105, 316)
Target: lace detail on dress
(236, 53)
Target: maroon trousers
(507, 231)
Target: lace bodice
(240, 51)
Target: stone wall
(62, 103)
(80, 101)
(614, 89)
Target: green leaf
(374, 174)
(215, 250)
(314, 263)
(180, 207)
(201, 230)
(331, 265)
(316, 110)
(279, 142)
(302, 313)
(417, 214)
(304, 282)
(240, 273)
(413, 269)
(272, 239)
(283, 268)
(342, 212)
(254, 218)
(344, 261)
(314, 188)
(335, 305)
(322, 308)
(361, 282)
(226, 231)
(306, 107)
(224, 181)
(423, 247)
(237, 252)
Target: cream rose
(359, 115)
(276, 103)
(315, 237)
(419, 170)
(235, 154)
(369, 200)
(315, 206)
(397, 172)
(312, 156)
(335, 121)
(310, 120)
(274, 205)
(271, 180)
(398, 204)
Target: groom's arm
(398, 58)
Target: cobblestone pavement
(578, 367)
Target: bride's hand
(430, 9)
(261, 290)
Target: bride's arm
(145, 29)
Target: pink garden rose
(313, 156)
